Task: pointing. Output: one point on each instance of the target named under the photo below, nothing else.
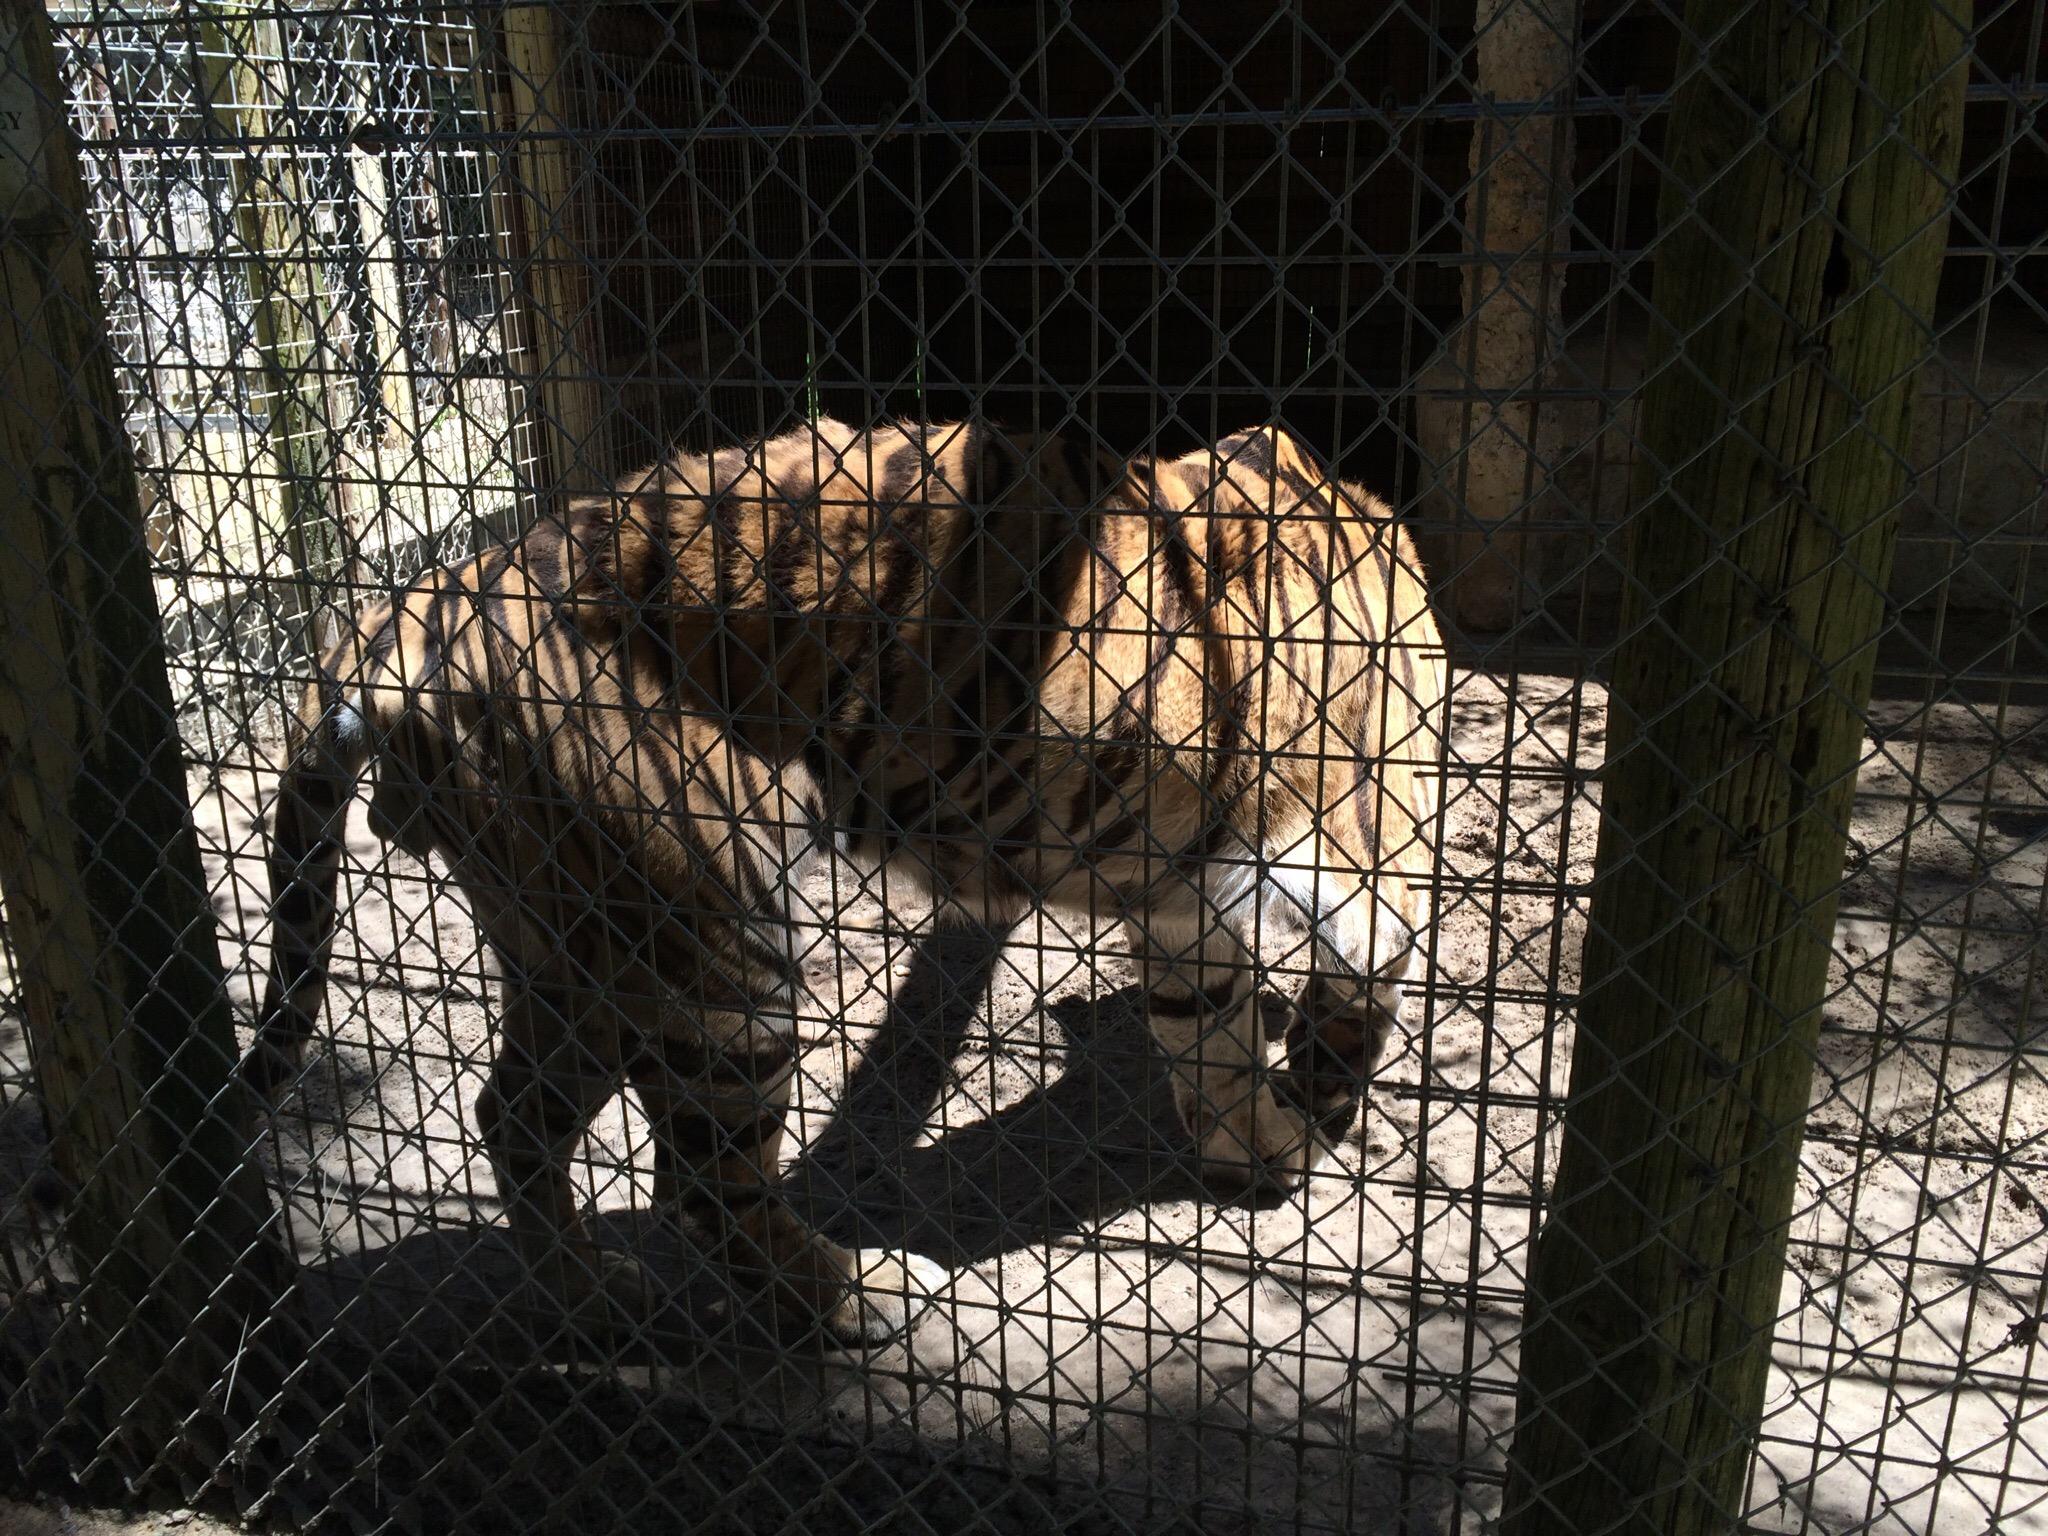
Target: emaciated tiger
(1200, 694)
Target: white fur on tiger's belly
(1293, 890)
(348, 722)
(681, 1016)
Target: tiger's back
(1033, 671)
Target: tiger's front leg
(1201, 1000)
(719, 1111)
(1332, 1047)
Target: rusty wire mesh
(381, 279)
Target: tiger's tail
(308, 823)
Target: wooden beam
(380, 255)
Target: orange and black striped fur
(1202, 694)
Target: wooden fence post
(1517, 226)
(286, 300)
(1811, 167)
(554, 269)
(370, 144)
(106, 905)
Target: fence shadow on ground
(1096, 1135)
(437, 1386)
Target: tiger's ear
(613, 553)
(1137, 482)
(1360, 502)
(1120, 481)
(1292, 460)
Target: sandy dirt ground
(1341, 1361)
(55, 1517)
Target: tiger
(1199, 694)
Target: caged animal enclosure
(1311, 792)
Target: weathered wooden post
(1517, 226)
(553, 269)
(368, 148)
(106, 905)
(287, 308)
(1811, 167)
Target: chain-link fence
(382, 284)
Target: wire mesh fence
(383, 284)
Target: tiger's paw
(855, 1298)
(626, 1284)
(606, 1291)
(1250, 1144)
(889, 1290)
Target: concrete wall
(1976, 528)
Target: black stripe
(1001, 465)
(961, 716)
(694, 1136)
(908, 806)
(1254, 450)
(774, 962)
(381, 644)
(1076, 461)
(792, 545)
(1180, 566)
(1198, 1000)
(877, 641)
(903, 470)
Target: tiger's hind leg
(719, 1116)
(558, 1061)
(1202, 1003)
